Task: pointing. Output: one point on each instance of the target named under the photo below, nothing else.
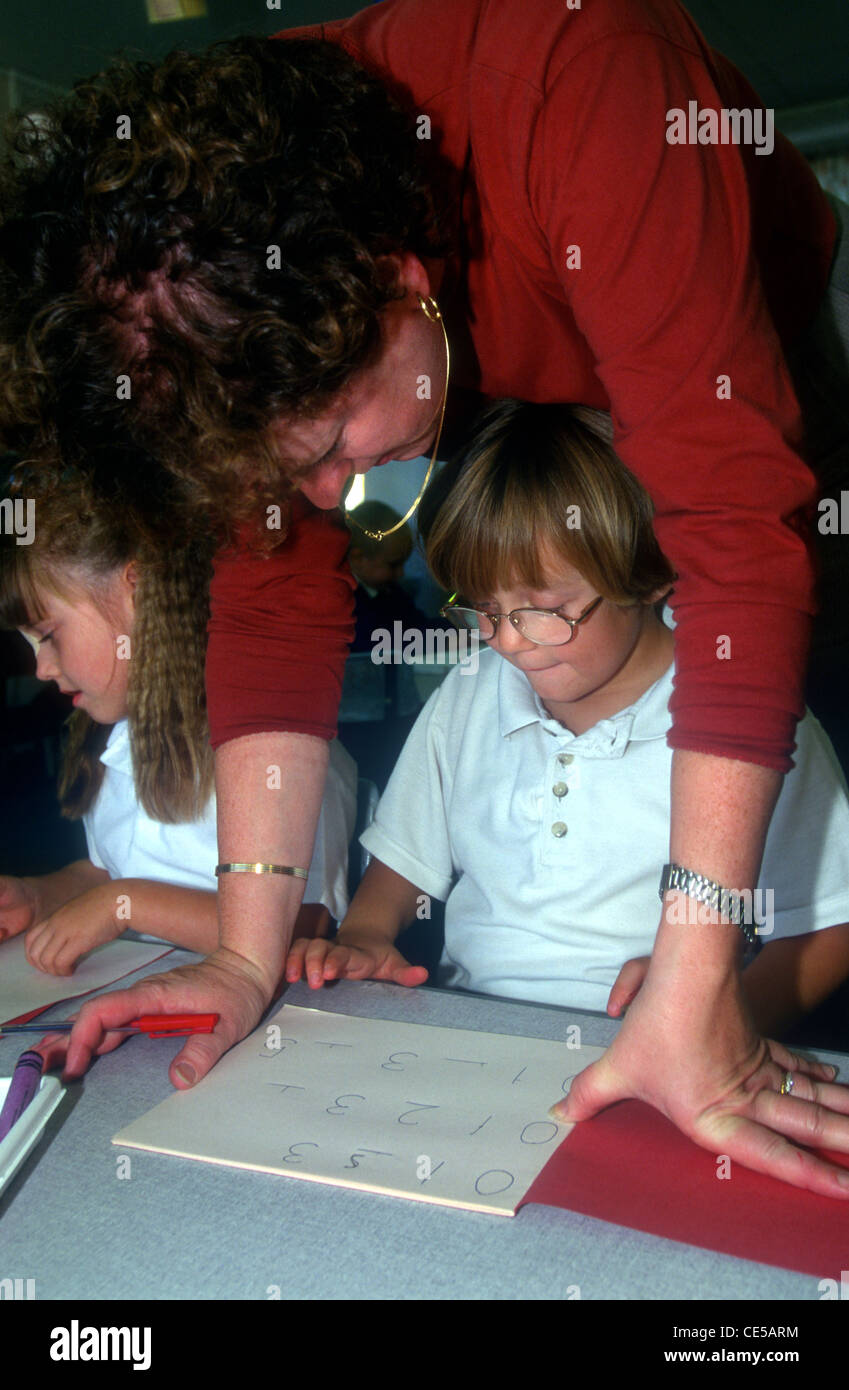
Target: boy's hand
(352, 958)
(57, 944)
(18, 906)
(627, 985)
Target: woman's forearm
(721, 810)
(269, 789)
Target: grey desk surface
(178, 1229)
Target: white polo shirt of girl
(128, 843)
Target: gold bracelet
(260, 869)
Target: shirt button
(565, 759)
(558, 828)
(560, 788)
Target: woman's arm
(263, 816)
(688, 1045)
(266, 818)
(720, 814)
(787, 980)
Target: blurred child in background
(380, 700)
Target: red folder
(630, 1165)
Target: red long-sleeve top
(279, 631)
(600, 263)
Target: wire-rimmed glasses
(544, 626)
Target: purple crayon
(24, 1084)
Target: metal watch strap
(705, 890)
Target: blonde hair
(84, 535)
(534, 483)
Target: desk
(178, 1229)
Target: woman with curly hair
(265, 260)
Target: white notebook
(434, 1114)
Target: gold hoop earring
(431, 311)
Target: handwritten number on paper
(392, 1064)
(338, 1108)
(417, 1105)
(529, 1137)
(278, 1048)
(292, 1156)
(361, 1153)
(422, 1181)
(493, 1182)
(481, 1125)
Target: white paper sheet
(435, 1114)
(23, 988)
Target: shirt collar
(648, 717)
(117, 750)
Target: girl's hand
(627, 985)
(57, 944)
(351, 959)
(18, 906)
(225, 983)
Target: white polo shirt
(549, 846)
(124, 840)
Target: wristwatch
(725, 900)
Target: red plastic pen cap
(175, 1025)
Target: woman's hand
(18, 906)
(225, 983)
(57, 944)
(694, 1054)
(351, 958)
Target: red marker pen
(155, 1025)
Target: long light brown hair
(84, 535)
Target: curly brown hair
(84, 534)
(154, 256)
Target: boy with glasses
(535, 798)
